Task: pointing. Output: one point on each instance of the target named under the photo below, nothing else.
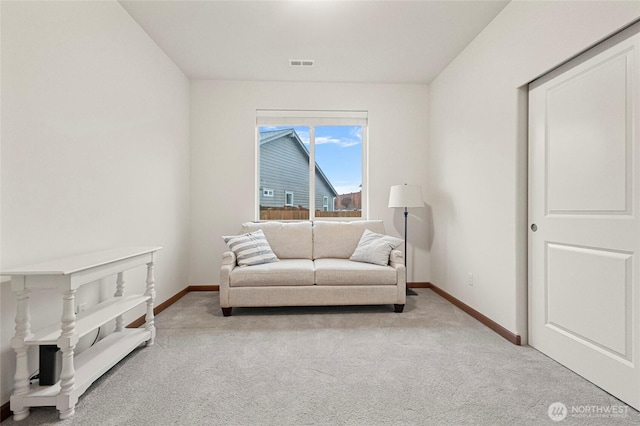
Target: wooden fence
(297, 213)
(346, 213)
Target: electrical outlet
(470, 279)
(81, 307)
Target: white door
(584, 200)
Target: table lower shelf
(90, 319)
(89, 366)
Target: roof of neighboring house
(272, 135)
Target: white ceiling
(350, 41)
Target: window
(319, 156)
(288, 198)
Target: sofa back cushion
(339, 239)
(288, 240)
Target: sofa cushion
(251, 248)
(288, 240)
(375, 248)
(340, 239)
(347, 272)
(287, 272)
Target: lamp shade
(406, 196)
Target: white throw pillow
(251, 248)
(375, 248)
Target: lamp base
(411, 292)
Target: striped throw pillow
(251, 248)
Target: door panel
(584, 291)
(575, 291)
(587, 139)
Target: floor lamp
(405, 196)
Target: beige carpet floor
(431, 365)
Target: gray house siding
(322, 189)
(284, 167)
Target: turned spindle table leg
(21, 378)
(150, 291)
(67, 344)
(119, 292)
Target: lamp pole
(406, 196)
(406, 214)
(408, 290)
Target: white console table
(79, 372)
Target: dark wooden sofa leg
(399, 308)
(226, 312)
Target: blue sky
(338, 153)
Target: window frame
(313, 119)
(286, 196)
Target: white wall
(95, 150)
(477, 154)
(223, 157)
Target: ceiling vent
(301, 62)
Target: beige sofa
(313, 269)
